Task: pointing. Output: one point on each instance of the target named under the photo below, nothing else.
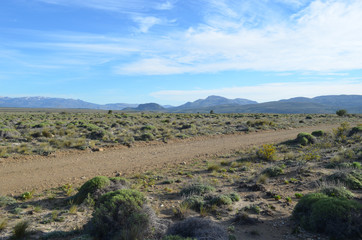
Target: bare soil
(40, 173)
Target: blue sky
(173, 51)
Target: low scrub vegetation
(312, 190)
(339, 218)
(43, 133)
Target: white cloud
(165, 5)
(145, 23)
(109, 5)
(151, 67)
(324, 36)
(294, 3)
(265, 92)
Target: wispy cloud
(324, 36)
(167, 5)
(134, 6)
(265, 92)
(145, 23)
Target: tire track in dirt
(41, 173)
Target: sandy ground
(40, 173)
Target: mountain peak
(214, 97)
(214, 100)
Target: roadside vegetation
(307, 187)
(43, 133)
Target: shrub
(305, 138)
(355, 130)
(123, 214)
(147, 127)
(234, 197)
(243, 217)
(9, 133)
(196, 189)
(20, 230)
(341, 112)
(266, 152)
(353, 179)
(341, 132)
(338, 218)
(96, 134)
(116, 183)
(298, 195)
(337, 191)
(90, 187)
(213, 167)
(318, 133)
(273, 171)
(146, 137)
(6, 201)
(27, 195)
(194, 202)
(198, 228)
(356, 165)
(253, 209)
(221, 200)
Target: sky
(174, 51)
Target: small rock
(97, 149)
(118, 174)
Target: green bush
(355, 130)
(120, 215)
(194, 202)
(337, 191)
(7, 201)
(341, 112)
(318, 133)
(27, 195)
(234, 197)
(356, 165)
(146, 137)
(273, 171)
(221, 200)
(90, 187)
(97, 134)
(252, 208)
(305, 138)
(338, 218)
(196, 189)
(352, 179)
(9, 133)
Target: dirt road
(41, 173)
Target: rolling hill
(320, 104)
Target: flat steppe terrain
(268, 170)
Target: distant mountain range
(45, 102)
(321, 104)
